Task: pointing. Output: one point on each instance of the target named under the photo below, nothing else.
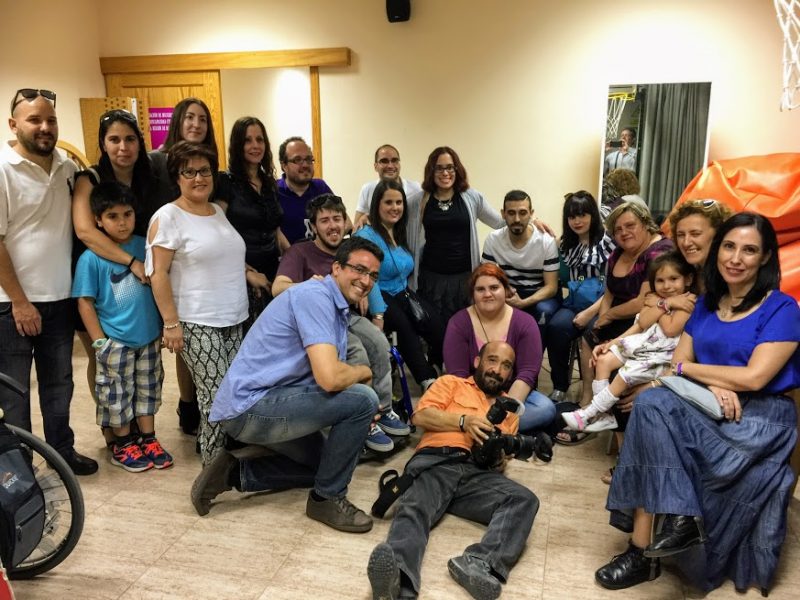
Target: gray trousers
(367, 345)
(465, 490)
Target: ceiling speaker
(398, 10)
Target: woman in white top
(196, 265)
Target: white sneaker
(602, 422)
(574, 421)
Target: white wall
(518, 87)
(54, 46)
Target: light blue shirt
(273, 353)
(396, 266)
(124, 305)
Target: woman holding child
(723, 486)
(196, 264)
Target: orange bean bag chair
(768, 185)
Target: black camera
(490, 453)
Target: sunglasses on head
(325, 198)
(30, 94)
(118, 114)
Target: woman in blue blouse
(722, 486)
(388, 302)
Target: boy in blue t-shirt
(120, 315)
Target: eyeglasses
(299, 160)
(389, 161)
(373, 275)
(445, 168)
(31, 94)
(704, 203)
(322, 199)
(192, 173)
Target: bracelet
(662, 304)
(461, 422)
(133, 259)
(679, 369)
(378, 316)
(175, 326)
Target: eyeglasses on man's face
(445, 168)
(361, 270)
(299, 160)
(191, 173)
(30, 94)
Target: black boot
(678, 533)
(628, 569)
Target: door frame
(313, 58)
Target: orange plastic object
(768, 185)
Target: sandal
(606, 477)
(573, 438)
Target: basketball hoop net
(616, 106)
(789, 20)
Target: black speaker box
(398, 10)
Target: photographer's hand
(478, 427)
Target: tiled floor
(143, 539)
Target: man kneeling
(453, 414)
(287, 383)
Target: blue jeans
(51, 350)
(539, 413)
(289, 420)
(543, 311)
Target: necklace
(486, 335)
(444, 204)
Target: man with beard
(528, 256)
(36, 311)
(387, 166)
(366, 344)
(286, 384)
(297, 187)
(453, 414)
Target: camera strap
(391, 484)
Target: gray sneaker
(475, 576)
(212, 481)
(383, 573)
(338, 513)
(558, 396)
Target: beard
(490, 383)
(41, 144)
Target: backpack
(22, 508)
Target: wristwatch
(98, 343)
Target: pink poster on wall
(159, 125)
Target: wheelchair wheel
(64, 510)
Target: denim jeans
(539, 413)
(464, 490)
(289, 420)
(543, 311)
(367, 345)
(51, 351)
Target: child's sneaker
(602, 422)
(130, 458)
(152, 450)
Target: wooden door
(159, 90)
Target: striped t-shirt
(524, 266)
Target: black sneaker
(475, 576)
(338, 513)
(383, 573)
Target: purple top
(628, 286)
(304, 260)
(295, 224)
(461, 346)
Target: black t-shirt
(447, 234)
(256, 217)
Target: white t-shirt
(524, 266)
(365, 197)
(36, 223)
(207, 271)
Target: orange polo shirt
(462, 397)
